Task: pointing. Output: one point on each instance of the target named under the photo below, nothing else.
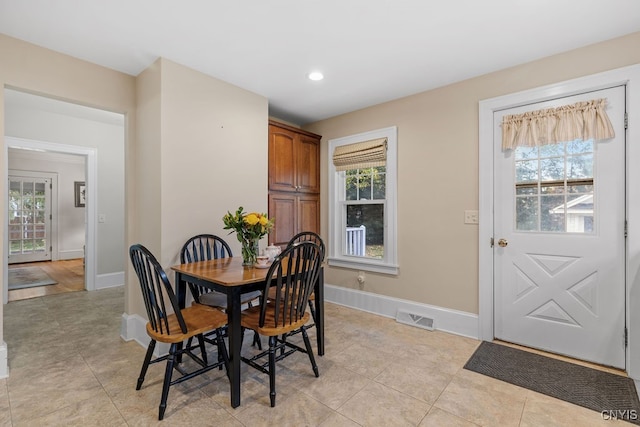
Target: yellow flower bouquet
(249, 228)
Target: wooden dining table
(229, 276)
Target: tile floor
(68, 366)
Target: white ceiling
(370, 51)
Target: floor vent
(414, 320)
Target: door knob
(502, 243)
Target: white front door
(559, 215)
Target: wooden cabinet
(293, 213)
(294, 160)
(294, 182)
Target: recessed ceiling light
(315, 76)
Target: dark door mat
(603, 392)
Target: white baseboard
(110, 280)
(71, 254)
(4, 361)
(134, 328)
(444, 319)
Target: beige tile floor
(68, 366)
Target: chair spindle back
(154, 284)
(293, 273)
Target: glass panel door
(29, 219)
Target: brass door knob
(502, 243)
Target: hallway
(68, 273)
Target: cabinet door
(293, 213)
(307, 152)
(308, 213)
(282, 168)
(282, 208)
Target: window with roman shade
(360, 155)
(362, 201)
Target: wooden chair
(173, 328)
(292, 275)
(308, 236)
(204, 247)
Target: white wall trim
(110, 280)
(444, 319)
(134, 327)
(4, 361)
(629, 76)
(71, 254)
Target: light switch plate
(470, 217)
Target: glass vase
(249, 252)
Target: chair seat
(251, 319)
(218, 299)
(198, 319)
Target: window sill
(365, 265)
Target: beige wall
(202, 151)
(438, 172)
(214, 155)
(27, 67)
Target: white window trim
(336, 257)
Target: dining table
(231, 277)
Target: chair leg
(222, 352)
(145, 364)
(307, 344)
(203, 350)
(256, 340)
(272, 370)
(167, 381)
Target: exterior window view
(554, 188)
(364, 208)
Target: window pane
(351, 186)
(580, 146)
(552, 169)
(379, 183)
(527, 171)
(580, 189)
(580, 166)
(365, 230)
(527, 213)
(580, 213)
(526, 153)
(552, 213)
(15, 247)
(524, 190)
(552, 150)
(552, 189)
(364, 184)
(565, 169)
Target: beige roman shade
(361, 155)
(583, 120)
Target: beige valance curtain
(585, 120)
(361, 155)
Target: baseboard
(70, 254)
(110, 280)
(134, 328)
(444, 319)
(4, 361)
